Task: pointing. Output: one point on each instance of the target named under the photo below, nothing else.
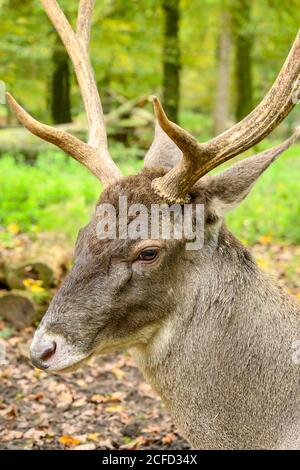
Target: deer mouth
(73, 367)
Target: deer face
(121, 291)
(118, 292)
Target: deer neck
(226, 354)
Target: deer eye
(148, 255)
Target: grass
(272, 210)
(57, 194)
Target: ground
(105, 405)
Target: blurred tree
(130, 60)
(60, 102)
(243, 44)
(171, 58)
(221, 108)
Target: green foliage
(272, 209)
(126, 51)
(6, 333)
(57, 194)
(126, 48)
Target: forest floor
(105, 405)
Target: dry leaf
(13, 228)
(94, 437)
(168, 439)
(118, 373)
(37, 397)
(34, 285)
(69, 440)
(114, 409)
(65, 398)
(134, 445)
(10, 412)
(90, 446)
(265, 239)
(80, 402)
(34, 434)
(106, 444)
(97, 398)
(11, 435)
(152, 429)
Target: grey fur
(211, 333)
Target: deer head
(120, 292)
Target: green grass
(57, 194)
(272, 209)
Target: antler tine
(103, 169)
(76, 45)
(200, 158)
(95, 154)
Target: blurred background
(211, 62)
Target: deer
(212, 334)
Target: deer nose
(41, 354)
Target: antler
(94, 154)
(199, 158)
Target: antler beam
(199, 158)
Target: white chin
(68, 368)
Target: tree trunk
(243, 38)
(171, 58)
(221, 108)
(60, 85)
(17, 309)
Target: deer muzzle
(52, 352)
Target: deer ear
(230, 188)
(163, 152)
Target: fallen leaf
(90, 446)
(114, 409)
(13, 228)
(10, 412)
(94, 436)
(65, 398)
(118, 373)
(168, 439)
(106, 444)
(34, 285)
(114, 397)
(37, 396)
(80, 402)
(134, 445)
(97, 398)
(69, 440)
(265, 239)
(11, 435)
(152, 429)
(34, 434)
